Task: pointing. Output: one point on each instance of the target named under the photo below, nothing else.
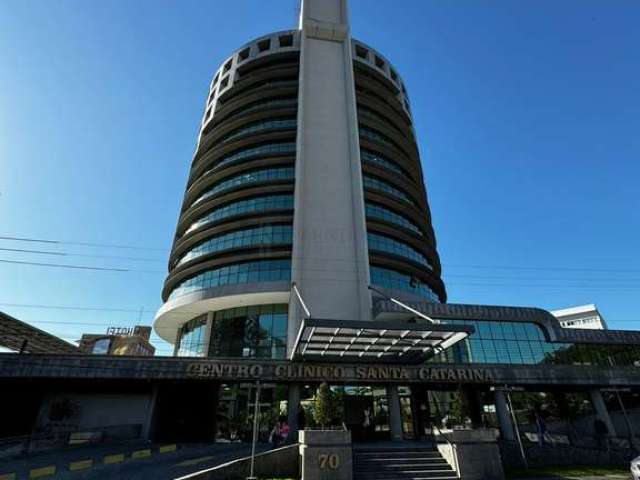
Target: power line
(76, 307)
(84, 244)
(448, 265)
(78, 267)
(85, 255)
(569, 269)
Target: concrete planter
(326, 454)
(473, 453)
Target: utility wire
(447, 265)
(84, 244)
(78, 267)
(72, 254)
(148, 310)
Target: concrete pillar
(601, 410)
(293, 408)
(147, 428)
(330, 261)
(504, 416)
(395, 417)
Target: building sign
(305, 372)
(140, 330)
(122, 331)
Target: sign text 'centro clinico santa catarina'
(338, 373)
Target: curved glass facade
(374, 210)
(380, 161)
(373, 114)
(524, 343)
(264, 105)
(381, 185)
(192, 339)
(259, 127)
(257, 331)
(387, 278)
(251, 205)
(374, 135)
(265, 235)
(253, 152)
(390, 245)
(260, 271)
(255, 176)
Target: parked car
(635, 468)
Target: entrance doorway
(366, 413)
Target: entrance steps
(400, 463)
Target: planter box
(326, 454)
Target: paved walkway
(132, 461)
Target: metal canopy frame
(374, 341)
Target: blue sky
(526, 114)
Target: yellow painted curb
(42, 471)
(163, 449)
(8, 476)
(80, 465)
(141, 453)
(117, 458)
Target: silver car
(635, 468)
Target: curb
(47, 471)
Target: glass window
(258, 127)
(258, 331)
(265, 104)
(374, 210)
(389, 245)
(247, 178)
(264, 235)
(250, 272)
(524, 343)
(238, 156)
(251, 205)
(374, 135)
(380, 161)
(192, 338)
(386, 278)
(377, 184)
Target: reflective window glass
(247, 178)
(377, 184)
(250, 272)
(386, 278)
(192, 338)
(264, 235)
(395, 247)
(257, 331)
(374, 210)
(256, 204)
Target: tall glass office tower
(307, 171)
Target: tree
(461, 408)
(324, 406)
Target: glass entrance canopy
(374, 341)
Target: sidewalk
(96, 460)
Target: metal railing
(454, 450)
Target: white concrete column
(395, 416)
(601, 410)
(330, 261)
(504, 417)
